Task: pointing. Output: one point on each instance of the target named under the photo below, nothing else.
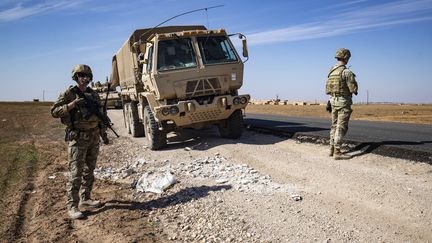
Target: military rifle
(94, 108)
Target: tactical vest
(335, 84)
(78, 118)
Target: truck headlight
(236, 101)
(173, 110)
(243, 100)
(165, 111)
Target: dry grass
(24, 129)
(25, 120)
(418, 114)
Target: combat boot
(74, 213)
(337, 155)
(331, 151)
(90, 203)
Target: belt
(339, 95)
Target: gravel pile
(216, 169)
(221, 171)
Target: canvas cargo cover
(124, 62)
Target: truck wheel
(135, 126)
(156, 138)
(233, 126)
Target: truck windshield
(216, 49)
(175, 54)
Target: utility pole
(43, 95)
(367, 97)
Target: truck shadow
(209, 137)
(183, 196)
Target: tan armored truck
(177, 77)
(113, 100)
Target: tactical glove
(105, 138)
(79, 102)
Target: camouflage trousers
(82, 155)
(341, 112)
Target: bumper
(190, 111)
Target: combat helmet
(81, 68)
(343, 53)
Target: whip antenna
(192, 11)
(208, 25)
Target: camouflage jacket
(77, 114)
(341, 81)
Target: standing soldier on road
(83, 129)
(340, 85)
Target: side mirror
(245, 49)
(244, 43)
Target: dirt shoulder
(260, 188)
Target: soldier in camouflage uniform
(340, 85)
(83, 131)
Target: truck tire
(156, 139)
(135, 126)
(233, 126)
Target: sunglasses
(82, 75)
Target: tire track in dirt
(28, 168)
(19, 225)
(41, 215)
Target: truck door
(148, 69)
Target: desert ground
(259, 188)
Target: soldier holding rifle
(79, 108)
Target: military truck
(113, 99)
(176, 77)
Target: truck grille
(202, 87)
(205, 115)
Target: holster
(328, 107)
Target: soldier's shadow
(183, 196)
(379, 147)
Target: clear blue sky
(291, 43)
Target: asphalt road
(401, 140)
